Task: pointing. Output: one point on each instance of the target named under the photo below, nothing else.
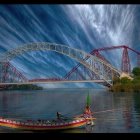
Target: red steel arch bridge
(92, 65)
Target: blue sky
(85, 27)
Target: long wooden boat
(58, 124)
(35, 125)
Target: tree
(125, 80)
(136, 71)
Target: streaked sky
(84, 27)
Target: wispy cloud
(84, 27)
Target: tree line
(24, 87)
(125, 84)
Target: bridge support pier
(126, 68)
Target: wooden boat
(58, 124)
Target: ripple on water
(115, 113)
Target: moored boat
(35, 125)
(58, 124)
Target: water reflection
(114, 112)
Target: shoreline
(125, 88)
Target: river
(114, 112)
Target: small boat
(60, 123)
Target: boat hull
(43, 126)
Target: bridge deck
(55, 82)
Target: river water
(114, 112)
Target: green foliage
(125, 80)
(136, 80)
(122, 87)
(25, 87)
(125, 84)
(136, 71)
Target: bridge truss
(95, 66)
(125, 63)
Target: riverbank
(119, 87)
(23, 87)
(126, 84)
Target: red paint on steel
(126, 67)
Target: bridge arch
(103, 69)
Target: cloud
(85, 27)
